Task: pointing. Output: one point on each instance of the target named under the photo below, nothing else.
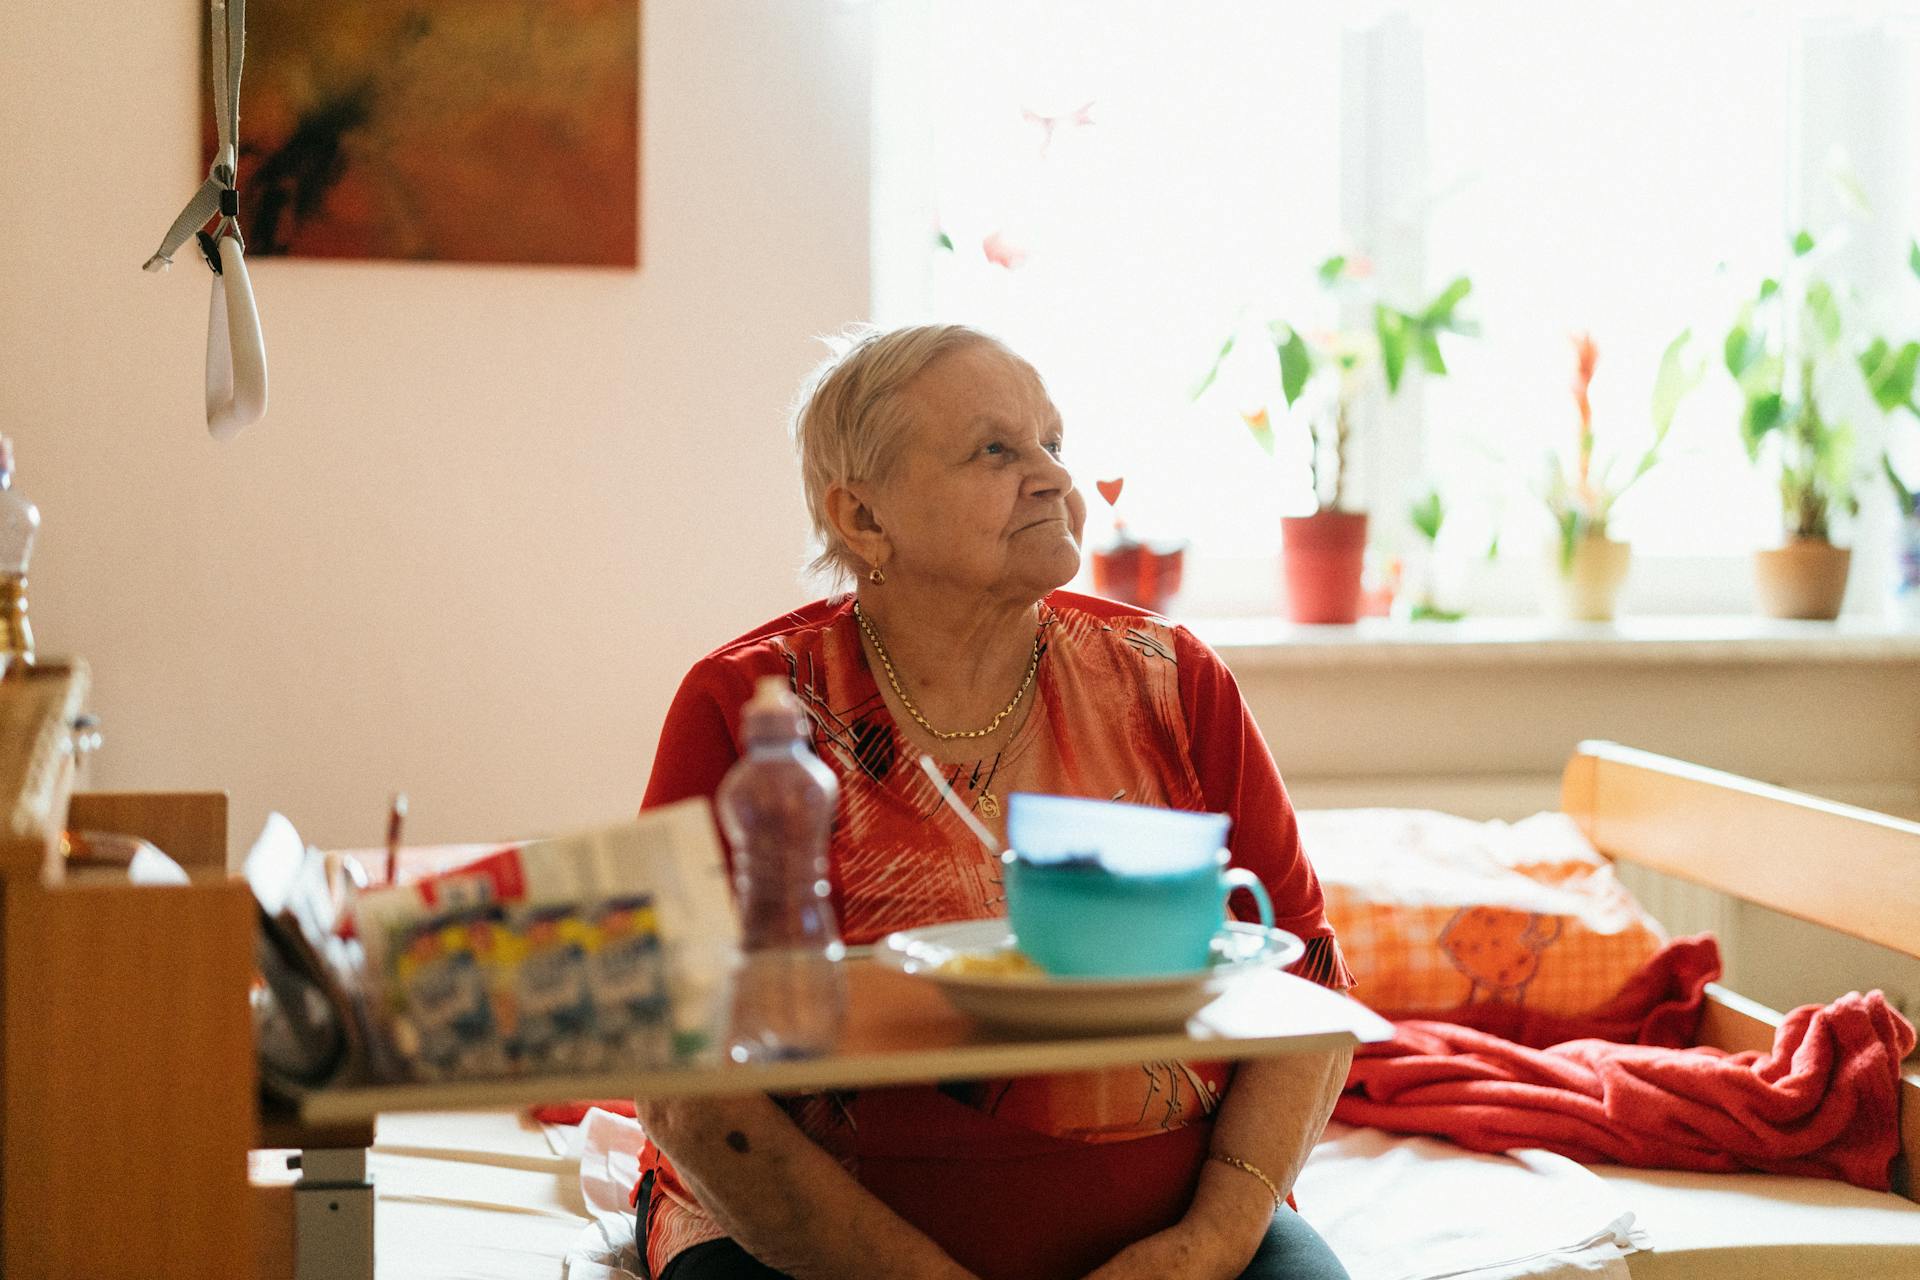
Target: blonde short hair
(850, 422)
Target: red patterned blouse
(1044, 1175)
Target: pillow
(1435, 912)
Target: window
(1112, 187)
(1591, 178)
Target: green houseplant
(1789, 350)
(1590, 565)
(1327, 374)
(1428, 516)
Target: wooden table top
(901, 1030)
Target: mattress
(1718, 1226)
(473, 1195)
(1533, 1214)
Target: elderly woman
(932, 462)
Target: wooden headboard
(1850, 870)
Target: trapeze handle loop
(236, 353)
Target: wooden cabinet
(127, 1091)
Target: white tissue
(609, 1166)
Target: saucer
(1037, 1001)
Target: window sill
(1270, 644)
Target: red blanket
(1822, 1103)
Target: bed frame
(126, 1024)
(1850, 870)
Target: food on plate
(1003, 963)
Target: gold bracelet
(1244, 1167)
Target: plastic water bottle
(776, 806)
(19, 522)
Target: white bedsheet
(1403, 1208)
(471, 1195)
(1416, 1209)
(490, 1195)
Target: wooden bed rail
(1850, 870)
(1831, 864)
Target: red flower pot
(1322, 556)
(1136, 573)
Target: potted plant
(1589, 565)
(1789, 350)
(1429, 516)
(1333, 370)
(1131, 570)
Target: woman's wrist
(1253, 1171)
(1228, 1218)
(1206, 1250)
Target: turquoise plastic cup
(1080, 918)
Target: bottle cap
(773, 711)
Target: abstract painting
(441, 130)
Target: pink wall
(493, 513)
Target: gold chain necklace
(1033, 665)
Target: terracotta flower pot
(1807, 578)
(1136, 573)
(1322, 556)
(1586, 588)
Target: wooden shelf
(900, 1030)
(1270, 644)
(125, 1033)
(37, 709)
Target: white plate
(1042, 1002)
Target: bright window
(1202, 175)
(1113, 186)
(1590, 178)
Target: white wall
(493, 513)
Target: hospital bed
(128, 1092)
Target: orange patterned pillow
(1434, 912)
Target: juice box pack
(607, 949)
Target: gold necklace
(988, 803)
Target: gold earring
(876, 577)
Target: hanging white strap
(236, 354)
(229, 37)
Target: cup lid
(1128, 839)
